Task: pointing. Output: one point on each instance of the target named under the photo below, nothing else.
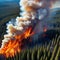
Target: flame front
(14, 46)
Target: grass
(49, 52)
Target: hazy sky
(8, 0)
(56, 5)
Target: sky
(56, 5)
(8, 0)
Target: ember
(45, 29)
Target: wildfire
(12, 47)
(45, 29)
(15, 39)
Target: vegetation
(44, 52)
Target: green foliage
(48, 52)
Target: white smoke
(31, 9)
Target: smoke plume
(32, 11)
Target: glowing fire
(45, 29)
(14, 46)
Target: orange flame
(12, 47)
(45, 29)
